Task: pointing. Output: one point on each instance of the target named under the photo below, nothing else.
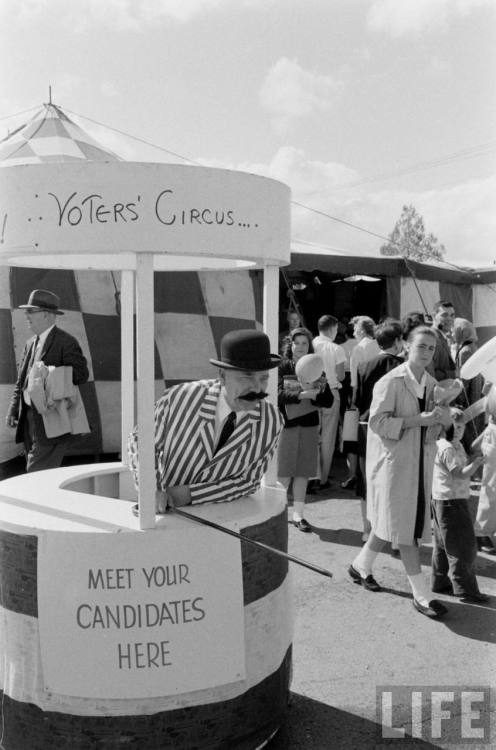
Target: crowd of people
(397, 415)
(388, 396)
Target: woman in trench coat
(404, 425)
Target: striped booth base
(243, 714)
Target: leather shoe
(434, 610)
(349, 483)
(478, 598)
(446, 590)
(368, 582)
(485, 544)
(302, 525)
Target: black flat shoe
(446, 590)
(349, 483)
(485, 544)
(368, 582)
(302, 525)
(478, 598)
(434, 610)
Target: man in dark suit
(52, 346)
(442, 365)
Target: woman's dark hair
(410, 321)
(421, 330)
(388, 332)
(287, 352)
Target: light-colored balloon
(482, 362)
(309, 368)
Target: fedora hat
(42, 299)
(246, 350)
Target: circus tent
(50, 136)
(192, 309)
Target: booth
(148, 632)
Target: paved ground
(348, 642)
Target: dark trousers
(40, 456)
(455, 549)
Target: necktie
(33, 352)
(227, 430)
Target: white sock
(364, 560)
(420, 589)
(298, 509)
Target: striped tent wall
(193, 310)
(422, 294)
(485, 311)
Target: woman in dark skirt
(298, 401)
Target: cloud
(117, 15)
(462, 217)
(109, 89)
(136, 15)
(289, 92)
(418, 16)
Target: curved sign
(56, 215)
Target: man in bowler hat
(52, 346)
(214, 438)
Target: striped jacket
(184, 444)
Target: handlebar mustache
(254, 396)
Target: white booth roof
(102, 215)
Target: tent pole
(127, 358)
(271, 328)
(145, 363)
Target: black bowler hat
(42, 299)
(246, 350)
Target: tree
(409, 239)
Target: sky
(360, 106)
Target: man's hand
(160, 501)
(178, 496)
(11, 421)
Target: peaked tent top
(50, 136)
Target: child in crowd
(455, 549)
(485, 522)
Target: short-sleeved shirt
(332, 355)
(446, 485)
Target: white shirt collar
(43, 337)
(221, 412)
(419, 387)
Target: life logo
(452, 714)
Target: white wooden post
(127, 359)
(271, 328)
(145, 359)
